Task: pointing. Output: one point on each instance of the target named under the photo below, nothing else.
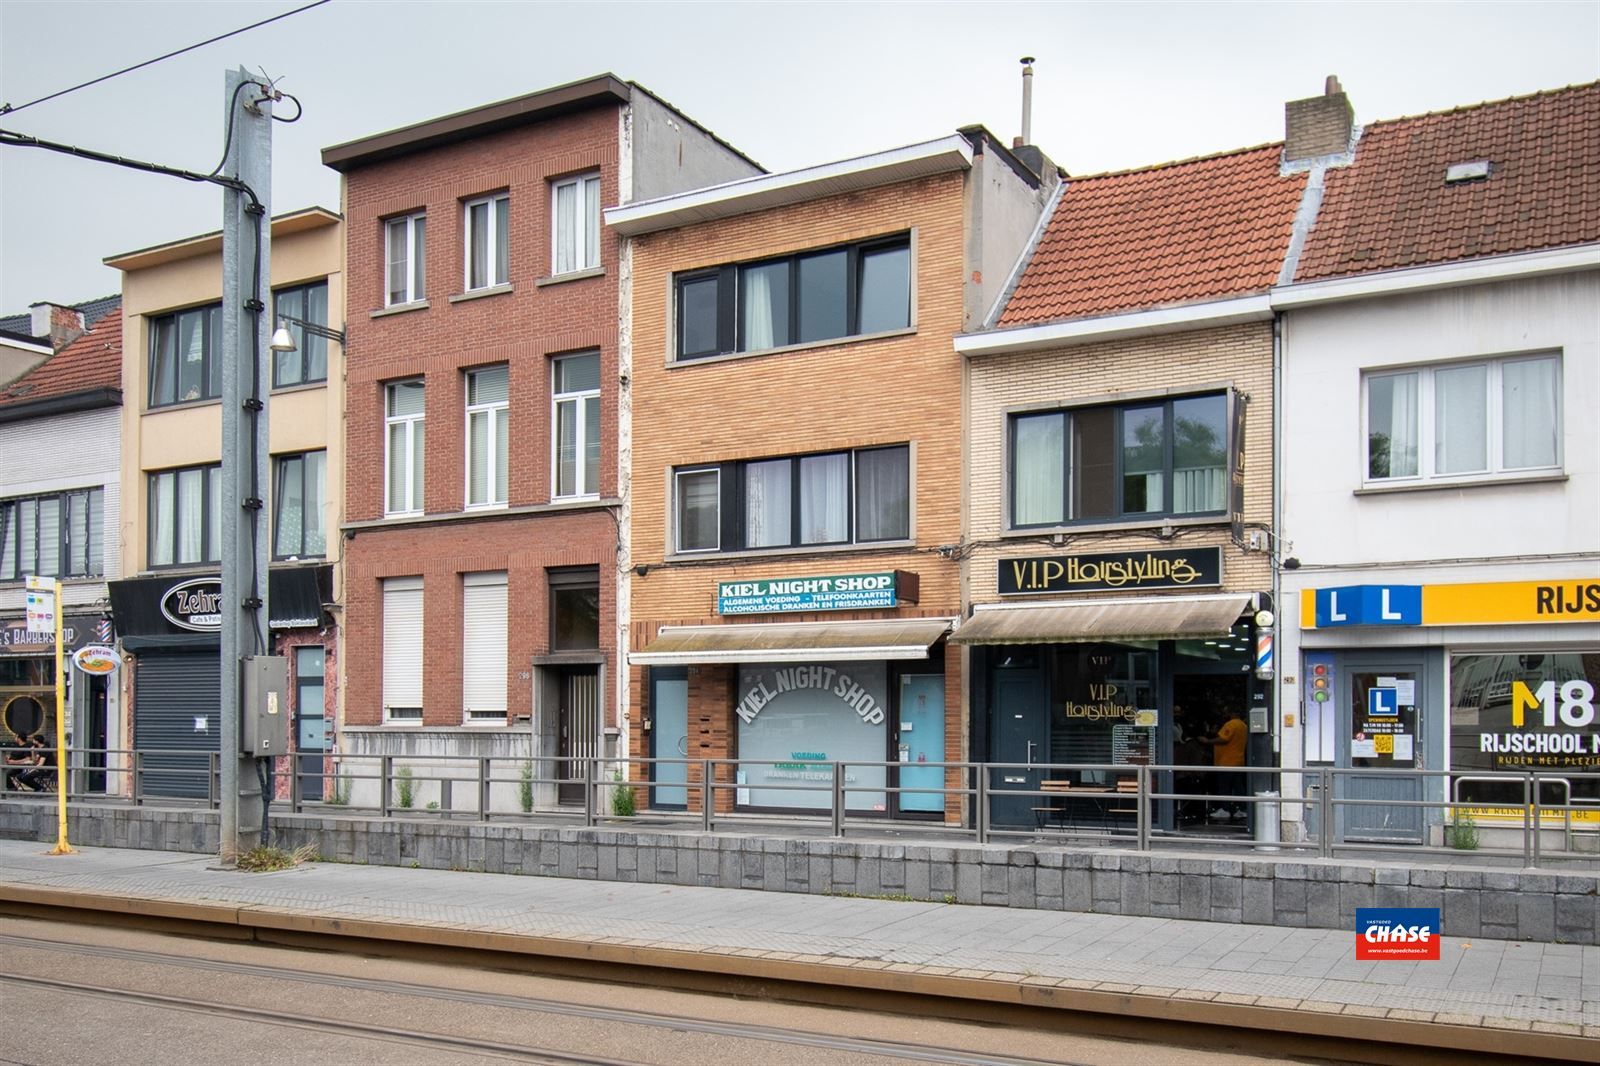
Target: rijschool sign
(1180, 568)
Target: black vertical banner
(1241, 404)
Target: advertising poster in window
(795, 719)
(1526, 712)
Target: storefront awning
(789, 642)
(1072, 621)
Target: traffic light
(1319, 682)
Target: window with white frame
(185, 510)
(488, 436)
(402, 649)
(484, 638)
(299, 493)
(488, 231)
(575, 228)
(405, 439)
(577, 425)
(61, 535)
(1463, 420)
(405, 256)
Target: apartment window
(574, 608)
(299, 492)
(488, 230)
(575, 208)
(794, 501)
(405, 439)
(402, 649)
(484, 634)
(1095, 464)
(185, 356)
(61, 535)
(1477, 419)
(186, 516)
(814, 296)
(309, 360)
(488, 436)
(577, 425)
(405, 255)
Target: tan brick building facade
(893, 388)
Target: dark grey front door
(1381, 724)
(1020, 733)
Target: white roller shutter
(402, 649)
(484, 630)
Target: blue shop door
(669, 733)
(920, 740)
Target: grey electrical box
(264, 705)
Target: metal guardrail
(1073, 802)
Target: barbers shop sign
(1172, 568)
(194, 605)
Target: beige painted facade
(307, 246)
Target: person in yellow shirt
(1227, 749)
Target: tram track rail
(1287, 1034)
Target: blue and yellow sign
(1487, 603)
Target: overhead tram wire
(6, 109)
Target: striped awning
(788, 642)
(1072, 621)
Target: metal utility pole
(246, 292)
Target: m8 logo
(1574, 705)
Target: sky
(790, 84)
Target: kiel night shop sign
(843, 592)
(1171, 568)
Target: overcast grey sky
(1118, 85)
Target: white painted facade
(1345, 530)
(57, 453)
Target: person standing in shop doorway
(1227, 749)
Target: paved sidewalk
(1548, 989)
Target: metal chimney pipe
(1027, 99)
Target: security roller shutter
(483, 646)
(173, 694)
(402, 648)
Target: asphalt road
(84, 994)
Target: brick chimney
(1318, 126)
(63, 324)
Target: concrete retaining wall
(1501, 903)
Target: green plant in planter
(1463, 834)
(525, 787)
(622, 803)
(405, 787)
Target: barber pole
(1264, 655)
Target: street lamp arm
(282, 342)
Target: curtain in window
(698, 510)
(824, 499)
(768, 503)
(883, 494)
(1143, 445)
(478, 245)
(591, 211)
(163, 376)
(398, 266)
(1461, 420)
(316, 495)
(291, 507)
(502, 241)
(94, 544)
(1392, 444)
(478, 466)
(1199, 454)
(50, 536)
(1037, 466)
(286, 370)
(191, 516)
(567, 448)
(591, 445)
(314, 347)
(419, 252)
(764, 306)
(28, 533)
(419, 441)
(163, 511)
(191, 355)
(566, 227)
(398, 463)
(8, 542)
(1529, 411)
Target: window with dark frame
(59, 535)
(185, 356)
(820, 295)
(846, 497)
(574, 608)
(299, 492)
(309, 360)
(185, 511)
(1150, 459)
